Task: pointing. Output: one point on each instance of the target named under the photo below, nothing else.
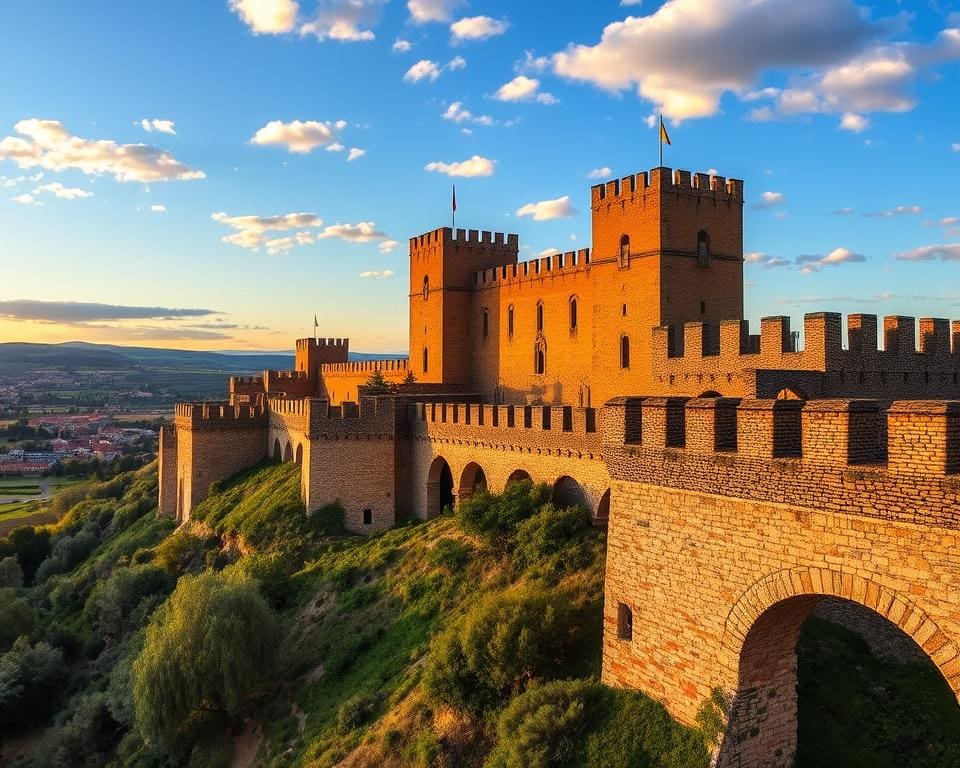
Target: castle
(744, 478)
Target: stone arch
(760, 640)
(277, 450)
(602, 514)
(439, 487)
(518, 475)
(710, 393)
(472, 479)
(288, 452)
(298, 457)
(567, 492)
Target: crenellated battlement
(332, 344)
(464, 237)
(544, 267)
(665, 179)
(218, 415)
(400, 365)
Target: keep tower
(442, 267)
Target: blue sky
(215, 173)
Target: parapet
(332, 344)
(399, 365)
(218, 415)
(546, 266)
(463, 237)
(665, 179)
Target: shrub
(67, 553)
(542, 726)
(271, 573)
(495, 516)
(127, 591)
(10, 573)
(552, 540)
(450, 554)
(16, 618)
(502, 643)
(30, 679)
(356, 711)
(86, 738)
(184, 551)
(207, 651)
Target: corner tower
(442, 266)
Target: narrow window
(368, 517)
(703, 249)
(426, 360)
(539, 317)
(573, 313)
(486, 322)
(426, 287)
(624, 310)
(540, 358)
(624, 351)
(510, 321)
(624, 622)
(624, 260)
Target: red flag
(454, 198)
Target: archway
(602, 515)
(288, 452)
(299, 455)
(472, 480)
(439, 487)
(518, 476)
(762, 634)
(567, 492)
(277, 450)
(709, 393)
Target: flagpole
(453, 213)
(660, 139)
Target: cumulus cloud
(523, 88)
(738, 41)
(401, 46)
(267, 17)
(770, 200)
(300, 136)
(381, 274)
(83, 312)
(765, 260)
(48, 144)
(355, 153)
(161, 126)
(600, 173)
(25, 199)
(344, 20)
(900, 210)
(423, 11)
(387, 246)
(477, 28)
(423, 69)
(814, 262)
(457, 113)
(531, 63)
(364, 232)
(475, 166)
(158, 208)
(851, 121)
(943, 252)
(257, 232)
(66, 193)
(546, 210)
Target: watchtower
(312, 353)
(442, 268)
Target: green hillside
(256, 636)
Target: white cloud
(845, 211)
(251, 231)
(852, 68)
(386, 273)
(851, 121)
(364, 232)
(423, 69)
(531, 63)
(335, 147)
(388, 246)
(814, 262)
(422, 11)
(161, 126)
(523, 88)
(600, 173)
(66, 193)
(477, 28)
(944, 252)
(765, 260)
(546, 210)
(299, 136)
(355, 154)
(457, 62)
(458, 114)
(900, 210)
(46, 143)
(770, 199)
(628, 3)
(401, 46)
(267, 17)
(25, 199)
(344, 20)
(158, 208)
(475, 166)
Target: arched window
(426, 360)
(624, 260)
(510, 321)
(426, 287)
(539, 317)
(624, 351)
(703, 249)
(486, 322)
(573, 313)
(624, 622)
(540, 358)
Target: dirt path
(246, 744)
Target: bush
(67, 553)
(552, 540)
(29, 545)
(450, 554)
(30, 678)
(86, 738)
(127, 598)
(207, 651)
(10, 573)
(16, 618)
(184, 551)
(271, 573)
(502, 643)
(356, 711)
(543, 726)
(494, 516)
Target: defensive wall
(742, 516)
(727, 359)
(340, 382)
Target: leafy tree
(501, 644)
(208, 650)
(128, 594)
(16, 617)
(30, 546)
(494, 516)
(30, 678)
(10, 573)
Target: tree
(409, 378)
(16, 617)
(30, 679)
(208, 650)
(125, 599)
(31, 547)
(10, 573)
